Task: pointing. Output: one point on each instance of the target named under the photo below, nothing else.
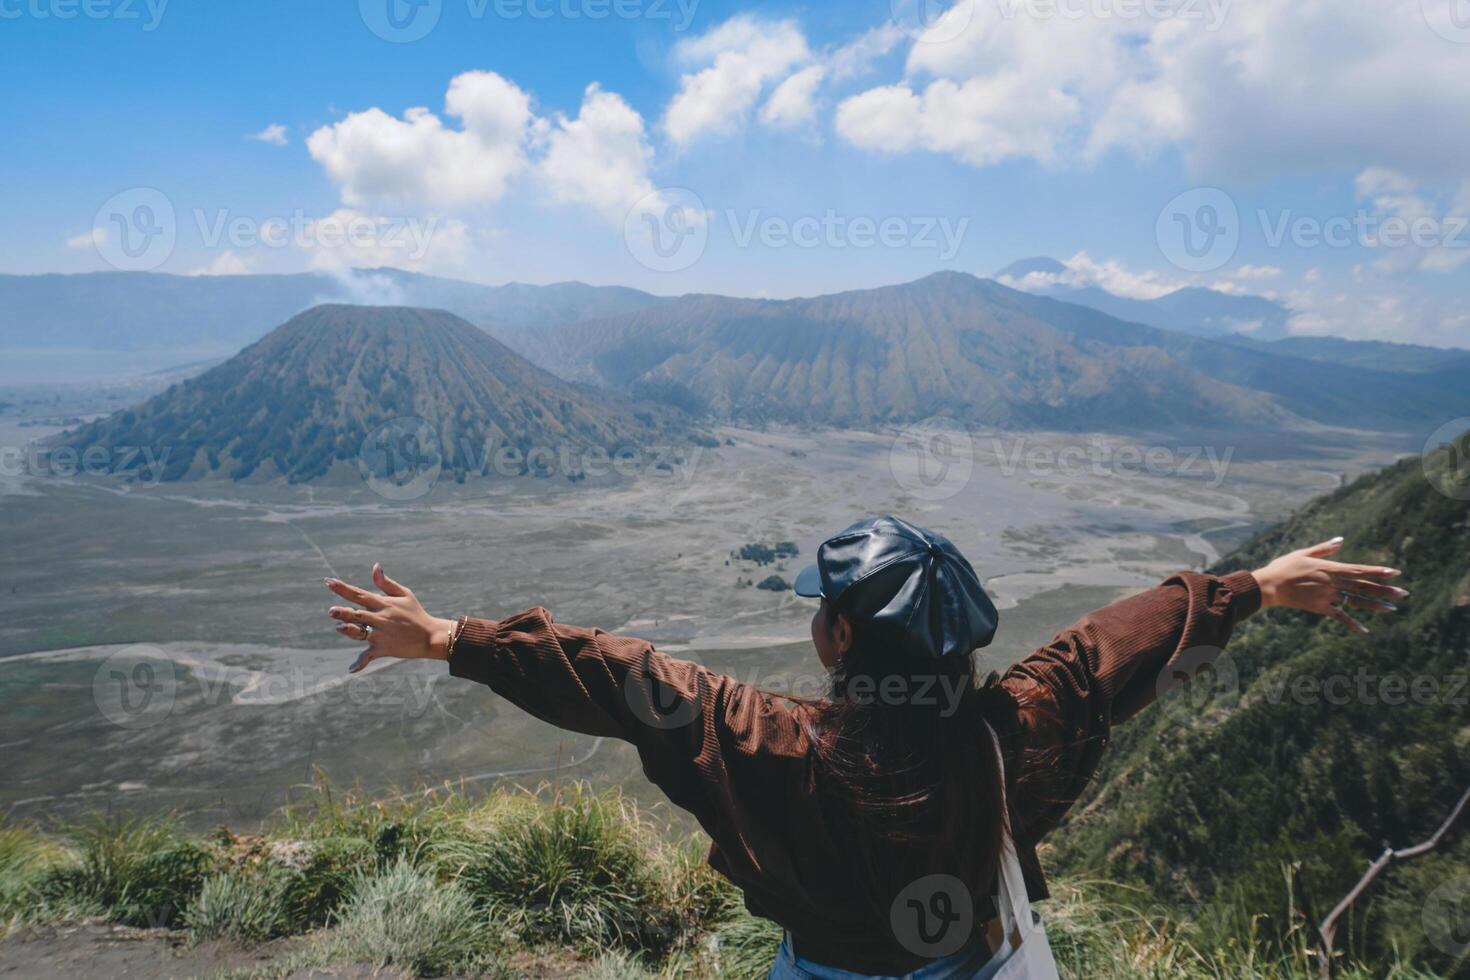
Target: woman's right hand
(1307, 580)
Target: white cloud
(87, 239)
(1119, 280)
(736, 61)
(1242, 89)
(794, 102)
(857, 56)
(1369, 307)
(601, 158)
(1112, 275)
(1255, 272)
(226, 264)
(981, 121)
(1409, 228)
(274, 134)
(417, 160)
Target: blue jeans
(974, 963)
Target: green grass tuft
(243, 907)
(403, 917)
(576, 871)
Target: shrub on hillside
(315, 895)
(138, 873)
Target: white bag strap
(1014, 903)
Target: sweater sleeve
(695, 731)
(1105, 669)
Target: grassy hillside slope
(562, 883)
(1309, 748)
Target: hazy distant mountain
(189, 316)
(1193, 310)
(952, 344)
(304, 398)
(1328, 392)
(1376, 354)
(517, 304)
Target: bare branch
(1328, 929)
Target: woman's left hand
(392, 622)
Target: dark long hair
(904, 749)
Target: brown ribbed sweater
(738, 759)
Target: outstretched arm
(1107, 667)
(694, 730)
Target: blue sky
(806, 148)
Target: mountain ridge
(956, 345)
(304, 398)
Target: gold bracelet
(454, 633)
